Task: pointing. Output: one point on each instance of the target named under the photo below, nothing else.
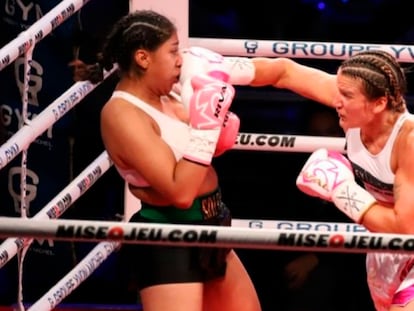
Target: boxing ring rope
(38, 30)
(20, 141)
(89, 264)
(245, 141)
(60, 203)
(207, 236)
(75, 277)
(102, 251)
(299, 49)
(342, 237)
(298, 225)
(51, 114)
(24, 44)
(287, 143)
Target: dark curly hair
(141, 29)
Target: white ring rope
(57, 109)
(38, 30)
(60, 203)
(298, 225)
(101, 252)
(287, 143)
(207, 236)
(245, 141)
(298, 49)
(56, 207)
(24, 44)
(75, 277)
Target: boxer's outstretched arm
(306, 81)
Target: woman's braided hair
(142, 29)
(380, 74)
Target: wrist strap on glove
(353, 200)
(202, 145)
(241, 70)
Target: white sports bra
(174, 132)
(374, 170)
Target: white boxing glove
(198, 61)
(201, 61)
(328, 175)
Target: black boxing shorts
(150, 265)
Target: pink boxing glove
(228, 134)
(199, 61)
(328, 175)
(322, 173)
(208, 107)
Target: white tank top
(173, 131)
(387, 273)
(374, 171)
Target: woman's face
(165, 65)
(353, 107)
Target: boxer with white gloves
(234, 70)
(199, 61)
(208, 107)
(328, 175)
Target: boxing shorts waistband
(204, 207)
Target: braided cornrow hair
(142, 29)
(380, 74)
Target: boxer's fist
(328, 175)
(228, 134)
(198, 60)
(323, 172)
(208, 107)
(235, 70)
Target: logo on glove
(213, 97)
(318, 172)
(322, 173)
